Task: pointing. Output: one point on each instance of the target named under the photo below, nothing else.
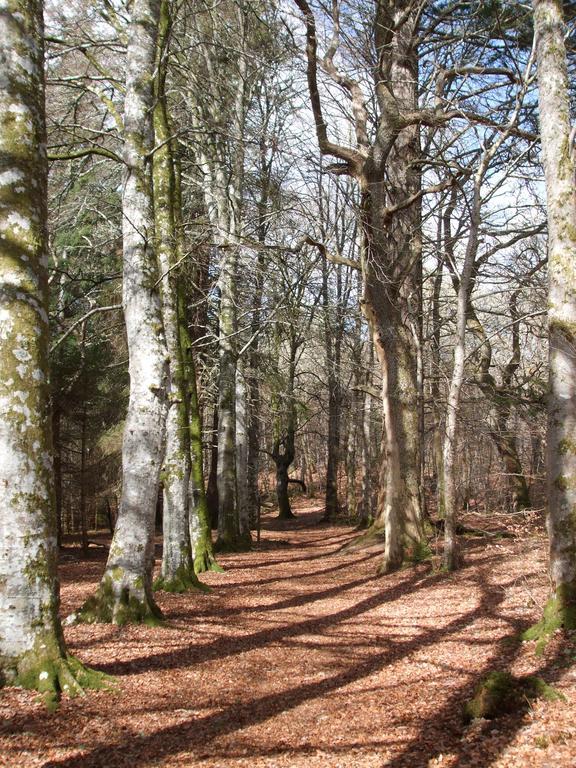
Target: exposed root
(373, 538)
(239, 544)
(184, 580)
(205, 561)
(118, 604)
(47, 670)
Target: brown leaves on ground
(300, 656)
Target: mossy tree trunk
(559, 170)
(32, 650)
(198, 513)
(177, 570)
(125, 592)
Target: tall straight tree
(559, 170)
(187, 542)
(125, 592)
(177, 571)
(32, 650)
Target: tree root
(559, 613)
(46, 670)
(184, 580)
(205, 561)
(501, 693)
(118, 604)
(371, 538)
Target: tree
(32, 649)
(177, 570)
(125, 592)
(559, 172)
(387, 170)
(464, 284)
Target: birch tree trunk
(32, 651)
(559, 170)
(125, 592)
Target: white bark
(559, 169)
(28, 585)
(448, 484)
(242, 456)
(125, 593)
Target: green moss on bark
(559, 613)
(205, 561)
(373, 537)
(184, 580)
(108, 606)
(49, 671)
(501, 693)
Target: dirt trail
(301, 657)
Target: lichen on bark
(32, 649)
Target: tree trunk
(242, 458)
(125, 592)
(228, 524)
(32, 650)
(212, 484)
(365, 506)
(56, 422)
(177, 570)
(392, 291)
(505, 442)
(82, 482)
(200, 521)
(283, 462)
(559, 169)
(448, 485)
(332, 373)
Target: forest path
(301, 657)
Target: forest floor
(301, 657)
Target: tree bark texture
(392, 264)
(32, 651)
(125, 592)
(177, 570)
(559, 169)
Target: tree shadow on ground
(199, 734)
(230, 646)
